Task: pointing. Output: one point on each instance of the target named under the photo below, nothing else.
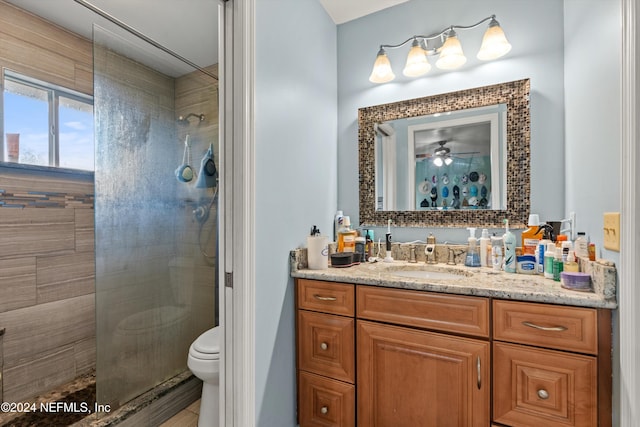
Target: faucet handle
(452, 257)
(412, 254)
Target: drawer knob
(543, 394)
(545, 328)
(324, 346)
(324, 410)
(321, 298)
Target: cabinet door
(535, 387)
(325, 402)
(409, 378)
(326, 345)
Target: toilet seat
(207, 345)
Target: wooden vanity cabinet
(415, 377)
(325, 353)
(551, 365)
(372, 356)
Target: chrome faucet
(430, 249)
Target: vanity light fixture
(446, 44)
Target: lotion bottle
(484, 244)
(509, 249)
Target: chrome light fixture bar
(446, 44)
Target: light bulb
(437, 161)
(417, 63)
(451, 56)
(494, 43)
(448, 160)
(382, 72)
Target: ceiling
(342, 11)
(188, 28)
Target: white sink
(421, 274)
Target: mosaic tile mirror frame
(515, 94)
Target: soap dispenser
(473, 257)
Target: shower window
(46, 125)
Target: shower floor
(82, 389)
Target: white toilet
(204, 362)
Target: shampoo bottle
(484, 244)
(509, 249)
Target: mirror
(449, 160)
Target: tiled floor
(186, 418)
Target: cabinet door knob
(543, 394)
(324, 410)
(324, 346)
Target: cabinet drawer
(325, 403)
(448, 313)
(326, 345)
(534, 386)
(328, 297)
(559, 327)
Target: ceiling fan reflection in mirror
(442, 155)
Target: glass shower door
(155, 118)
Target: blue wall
(295, 111)
(535, 30)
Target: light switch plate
(612, 231)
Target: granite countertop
(480, 281)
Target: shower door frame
(237, 213)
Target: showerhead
(185, 119)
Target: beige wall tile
(65, 276)
(33, 331)
(17, 283)
(30, 378)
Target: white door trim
(238, 255)
(629, 275)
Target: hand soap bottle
(473, 258)
(509, 249)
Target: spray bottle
(509, 249)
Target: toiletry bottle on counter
(337, 225)
(557, 264)
(531, 236)
(484, 251)
(542, 248)
(549, 255)
(388, 257)
(496, 253)
(473, 258)
(346, 236)
(360, 249)
(509, 249)
(581, 245)
(571, 264)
